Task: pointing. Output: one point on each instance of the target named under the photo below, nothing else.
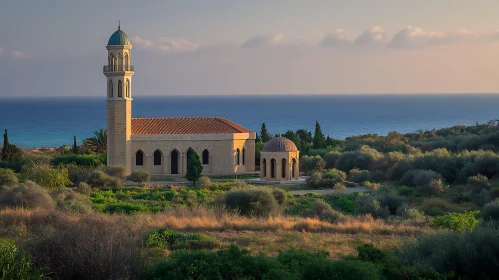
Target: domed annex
(279, 160)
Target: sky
(230, 47)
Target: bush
(16, 264)
(84, 188)
(140, 176)
(46, 176)
(204, 181)
(459, 222)
(490, 211)
(436, 187)
(323, 211)
(367, 204)
(28, 195)
(358, 176)
(81, 160)
(69, 201)
(7, 178)
(469, 255)
(339, 188)
(419, 177)
(331, 158)
(99, 179)
(174, 240)
(315, 179)
(371, 186)
(334, 175)
(477, 183)
(118, 171)
(251, 201)
(438, 206)
(392, 202)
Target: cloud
(166, 44)
(373, 36)
(338, 38)
(415, 37)
(17, 53)
(263, 41)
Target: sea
(37, 122)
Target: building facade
(162, 145)
(279, 160)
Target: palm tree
(97, 143)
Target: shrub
(84, 188)
(369, 253)
(477, 183)
(323, 211)
(334, 175)
(436, 186)
(339, 188)
(81, 160)
(438, 206)
(280, 196)
(341, 269)
(16, 264)
(459, 222)
(367, 204)
(204, 181)
(140, 176)
(69, 201)
(358, 176)
(419, 177)
(118, 171)
(342, 202)
(29, 195)
(331, 158)
(371, 186)
(490, 211)
(315, 179)
(251, 201)
(469, 255)
(46, 176)
(99, 179)
(392, 202)
(7, 178)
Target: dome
(279, 144)
(119, 38)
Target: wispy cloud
(338, 38)
(263, 41)
(166, 44)
(373, 36)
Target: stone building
(162, 145)
(279, 160)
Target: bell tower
(119, 72)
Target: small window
(157, 158)
(244, 156)
(238, 153)
(127, 88)
(110, 88)
(139, 158)
(120, 88)
(206, 157)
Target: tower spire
(119, 24)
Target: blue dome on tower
(119, 38)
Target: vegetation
(97, 143)
(194, 167)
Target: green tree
(304, 135)
(97, 143)
(75, 147)
(194, 167)
(319, 139)
(257, 138)
(10, 152)
(264, 134)
(291, 135)
(5, 149)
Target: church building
(162, 145)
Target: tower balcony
(118, 68)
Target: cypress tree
(75, 147)
(319, 141)
(264, 134)
(194, 167)
(6, 145)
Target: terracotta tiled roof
(147, 126)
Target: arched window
(139, 158)
(244, 156)
(174, 162)
(127, 88)
(157, 157)
(206, 157)
(115, 63)
(272, 168)
(293, 168)
(120, 88)
(264, 166)
(120, 62)
(110, 88)
(126, 62)
(238, 152)
(111, 62)
(283, 168)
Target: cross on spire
(119, 24)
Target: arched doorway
(283, 168)
(293, 168)
(272, 168)
(264, 168)
(139, 158)
(174, 162)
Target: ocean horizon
(35, 122)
